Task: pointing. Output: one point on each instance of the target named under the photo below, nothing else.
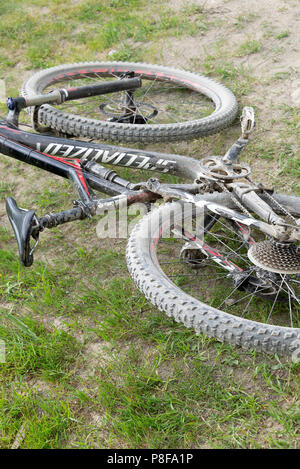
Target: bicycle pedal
(23, 223)
(247, 121)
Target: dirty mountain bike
(221, 255)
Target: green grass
(89, 362)
(283, 34)
(106, 25)
(251, 46)
(32, 350)
(32, 420)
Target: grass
(89, 362)
(283, 34)
(106, 25)
(251, 46)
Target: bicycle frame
(61, 157)
(67, 158)
(79, 162)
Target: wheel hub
(139, 113)
(282, 258)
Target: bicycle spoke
(295, 281)
(257, 290)
(248, 304)
(291, 290)
(235, 288)
(154, 91)
(274, 302)
(150, 86)
(289, 298)
(247, 290)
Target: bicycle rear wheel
(216, 290)
(172, 104)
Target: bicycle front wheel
(171, 105)
(216, 290)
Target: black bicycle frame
(21, 146)
(73, 159)
(62, 157)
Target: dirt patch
(96, 354)
(258, 40)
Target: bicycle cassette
(281, 258)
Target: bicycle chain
(281, 209)
(276, 204)
(234, 199)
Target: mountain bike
(221, 253)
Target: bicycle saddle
(23, 221)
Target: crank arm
(247, 127)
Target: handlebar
(60, 95)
